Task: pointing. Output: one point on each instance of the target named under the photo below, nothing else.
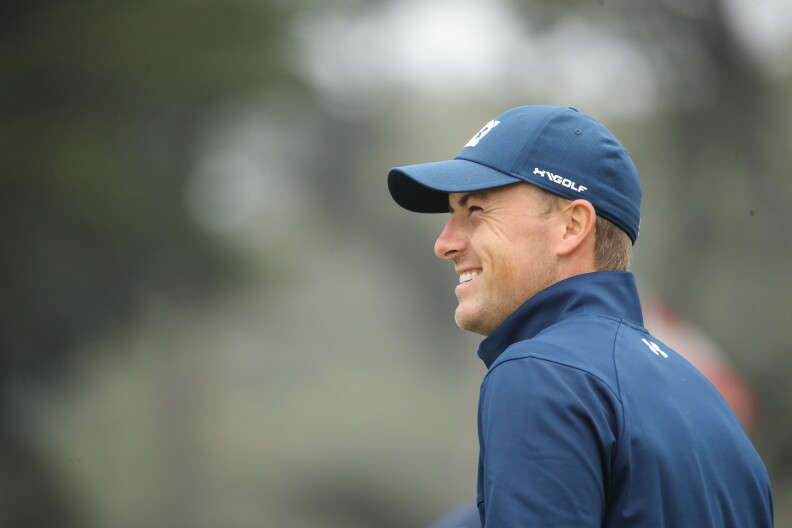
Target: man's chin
(471, 321)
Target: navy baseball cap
(557, 149)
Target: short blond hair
(612, 245)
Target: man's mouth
(468, 276)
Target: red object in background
(705, 355)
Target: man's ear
(579, 227)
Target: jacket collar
(612, 294)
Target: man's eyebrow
(464, 199)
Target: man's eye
(473, 208)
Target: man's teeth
(470, 275)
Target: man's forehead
(461, 198)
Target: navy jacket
(585, 419)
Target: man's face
(500, 242)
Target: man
(585, 419)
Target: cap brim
(424, 188)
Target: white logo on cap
(560, 180)
(481, 133)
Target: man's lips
(468, 275)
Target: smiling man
(495, 276)
(585, 419)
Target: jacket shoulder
(586, 343)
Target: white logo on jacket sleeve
(481, 133)
(654, 348)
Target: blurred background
(214, 315)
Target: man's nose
(450, 242)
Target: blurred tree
(101, 104)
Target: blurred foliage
(101, 104)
